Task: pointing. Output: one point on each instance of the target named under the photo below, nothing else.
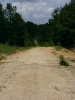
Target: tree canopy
(60, 30)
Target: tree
(2, 25)
(64, 26)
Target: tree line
(60, 29)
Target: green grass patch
(7, 50)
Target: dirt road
(35, 74)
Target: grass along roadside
(6, 50)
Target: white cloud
(34, 11)
(38, 11)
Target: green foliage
(60, 30)
(64, 26)
(63, 61)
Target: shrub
(63, 61)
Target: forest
(60, 29)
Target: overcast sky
(37, 11)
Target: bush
(63, 61)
